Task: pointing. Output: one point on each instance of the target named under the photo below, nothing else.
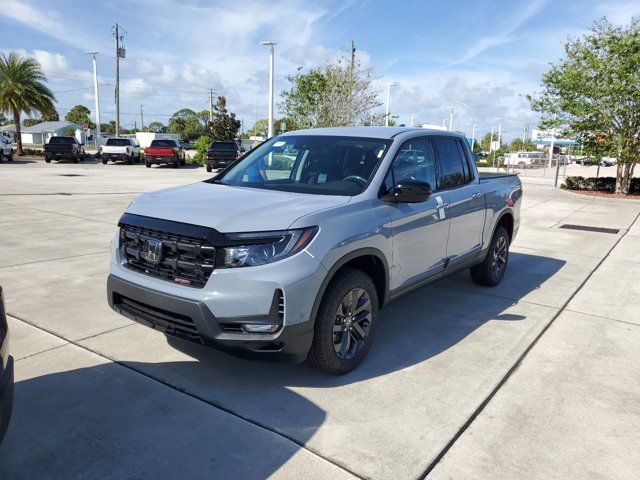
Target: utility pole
(120, 53)
(117, 35)
(413, 115)
(499, 132)
(524, 136)
(210, 105)
(141, 117)
(451, 118)
(96, 97)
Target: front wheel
(345, 324)
(104, 161)
(10, 159)
(491, 271)
(209, 168)
(130, 159)
(147, 164)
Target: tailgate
(159, 151)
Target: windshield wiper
(220, 182)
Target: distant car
(526, 159)
(5, 149)
(221, 154)
(61, 148)
(164, 151)
(593, 161)
(120, 149)
(6, 372)
(186, 144)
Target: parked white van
(526, 159)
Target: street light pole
(451, 118)
(386, 116)
(473, 137)
(96, 97)
(271, 73)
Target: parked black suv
(221, 154)
(6, 372)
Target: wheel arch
(368, 260)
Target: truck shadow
(114, 423)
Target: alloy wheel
(352, 323)
(500, 253)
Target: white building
(145, 138)
(40, 133)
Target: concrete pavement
(99, 396)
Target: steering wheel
(356, 179)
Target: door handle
(440, 206)
(475, 195)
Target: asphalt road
(536, 378)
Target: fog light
(260, 328)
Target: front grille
(171, 323)
(183, 260)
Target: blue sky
(484, 54)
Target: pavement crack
(519, 361)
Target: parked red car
(164, 151)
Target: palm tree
(22, 90)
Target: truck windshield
(61, 140)
(118, 142)
(163, 143)
(318, 164)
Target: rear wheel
(130, 160)
(76, 158)
(209, 168)
(492, 269)
(345, 323)
(147, 164)
(104, 161)
(10, 156)
(47, 160)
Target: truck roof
(368, 132)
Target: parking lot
(536, 378)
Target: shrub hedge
(601, 184)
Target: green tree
(3, 120)
(29, 122)
(156, 127)
(516, 145)
(593, 94)
(261, 127)
(79, 115)
(224, 125)
(185, 122)
(49, 115)
(69, 132)
(108, 127)
(333, 95)
(22, 89)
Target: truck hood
(231, 209)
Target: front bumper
(192, 320)
(6, 397)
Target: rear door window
(451, 164)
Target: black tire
(47, 160)
(10, 157)
(1, 155)
(176, 163)
(104, 161)
(147, 164)
(130, 160)
(492, 269)
(75, 159)
(209, 168)
(338, 344)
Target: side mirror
(409, 191)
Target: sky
(481, 57)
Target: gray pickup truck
(293, 249)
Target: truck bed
(494, 175)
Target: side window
(465, 163)
(450, 162)
(415, 161)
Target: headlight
(266, 247)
